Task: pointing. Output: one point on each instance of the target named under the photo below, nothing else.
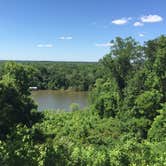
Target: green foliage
(74, 107)
(147, 103)
(22, 151)
(106, 98)
(125, 124)
(15, 104)
(69, 142)
(21, 74)
(156, 54)
(59, 75)
(124, 55)
(157, 131)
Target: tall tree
(16, 106)
(124, 56)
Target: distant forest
(79, 76)
(124, 125)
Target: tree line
(124, 125)
(79, 76)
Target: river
(59, 99)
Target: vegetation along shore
(124, 124)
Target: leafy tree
(106, 98)
(15, 104)
(146, 104)
(157, 132)
(156, 59)
(125, 54)
(22, 75)
(74, 107)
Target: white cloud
(121, 21)
(94, 23)
(44, 45)
(151, 18)
(141, 35)
(104, 44)
(138, 24)
(66, 38)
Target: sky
(75, 30)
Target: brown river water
(59, 99)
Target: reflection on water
(57, 99)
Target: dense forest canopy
(62, 75)
(125, 123)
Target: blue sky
(74, 30)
